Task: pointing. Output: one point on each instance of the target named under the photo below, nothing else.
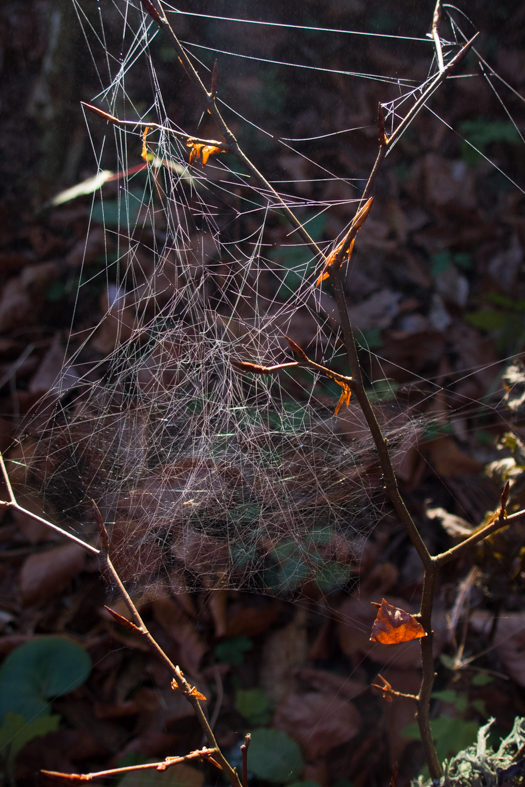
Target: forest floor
(438, 289)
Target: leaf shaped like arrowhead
(393, 626)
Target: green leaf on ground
(38, 670)
(274, 756)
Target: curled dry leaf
(393, 625)
(345, 396)
(199, 152)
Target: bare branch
(199, 754)
(178, 677)
(435, 35)
(12, 503)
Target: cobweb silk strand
(209, 478)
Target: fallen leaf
(447, 458)
(331, 684)
(177, 624)
(393, 626)
(317, 722)
(45, 574)
(23, 296)
(455, 526)
(284, 651)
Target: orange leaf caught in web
(200, 152)
(393, 625)
(144, 153)
(345, 396)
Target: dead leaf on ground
(179, 627)
(447, 458)
(23, 296)
(331, 684)
(284, 651)
(143, 700)
(454, 526)
(45, 574)
(318, 722)
(250, 621)
(88, 250)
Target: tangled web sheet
(208, 477)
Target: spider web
(209, 478)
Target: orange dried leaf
(144, 153)
(201, 152)
(345, 396)
(393, 626)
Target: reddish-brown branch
(199, 754)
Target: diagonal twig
(12, 503)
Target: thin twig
(498, 522)
(244, 752)
(411, 114)
(178, 677)
(12, 503)
(199, 754)
(435, 35)
(430, 564)
(153, 126)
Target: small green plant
(30, 676)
